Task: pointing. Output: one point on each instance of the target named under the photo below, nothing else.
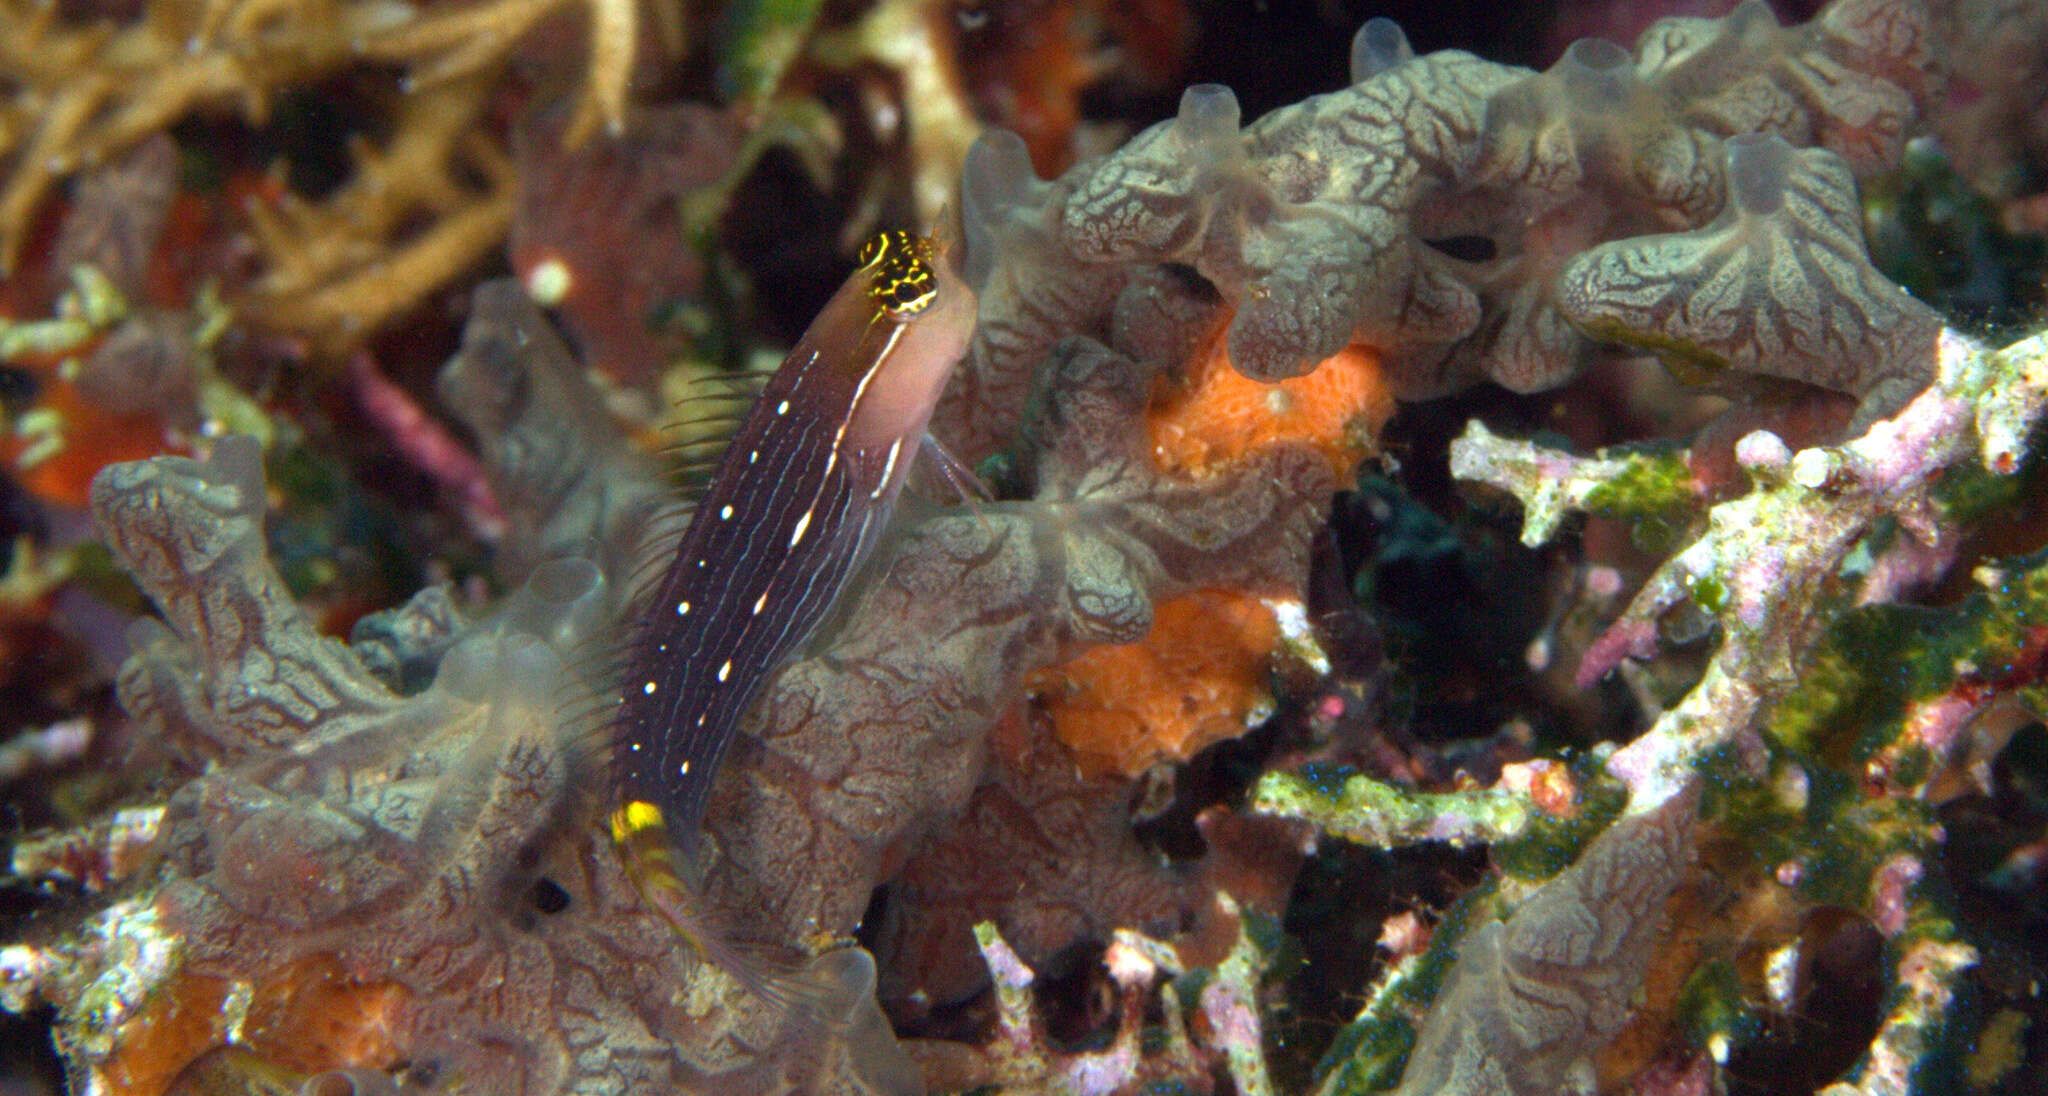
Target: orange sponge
(1216, 415)
(1194, 680)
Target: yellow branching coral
(77, 93)
(74, 95)
(479, 37)
(337, 269)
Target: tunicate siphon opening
(1759, 168)
(1378, 46)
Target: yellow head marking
(634, 817)
(904, 281)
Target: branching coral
(1077, 873)
(1793, 534)
(415, 213)
(78, 96)
(341, 267)
(125, 365)
(1771, 568)
(479, 37)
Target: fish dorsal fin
(702, 422)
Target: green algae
(757, 41)
(1551, 844)
(1837, 838)
(1713, 1010)
(1709, 593)
(1370, 1053)
(1878, 662)
(1652, 482)
(1653, 491)
(1691, 363)
(1381, 815)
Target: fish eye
(909, 294)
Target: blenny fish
(792, 510)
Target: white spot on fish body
(888, 470)
(760, 603)
(649, 688)
(725, 671)
(782, 408)
(802, 524)
(725, 513)
(682, 608)
(685, 770)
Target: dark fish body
(791, 511)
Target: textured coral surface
(1507, 574)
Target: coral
(80, 95)
(1793, 532)
(1370, 812)
(474, 38)
(423, 208)
(120, 375)
(1074, 872)
(1430, 210)
(1021, 64)
(426, 206)
(1021, 1058)
(336, 810)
